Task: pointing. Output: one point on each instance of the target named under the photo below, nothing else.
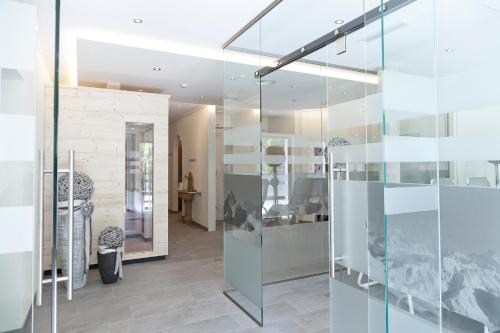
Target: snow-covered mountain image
(470, 283)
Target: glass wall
(390, 134)
(294, 187)
(468, 108)
(242, 176)
(24, 70)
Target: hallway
(184, 294)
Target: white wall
(197, 134)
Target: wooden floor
(184, 294)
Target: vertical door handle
(41, 176)
(331, 224)
(71, 205)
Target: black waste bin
(106, 262)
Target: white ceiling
(110, 47)
(204, 25)
(132, 67)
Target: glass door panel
(356, 186)
(294, 187)
(468, 110)
(410, 130)
(242, 172)
(26, 66)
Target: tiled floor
(184, 294)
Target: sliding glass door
(387, 128)
(414, 177)
(28, 63)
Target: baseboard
(125, 262)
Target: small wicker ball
(111, 237)
(83, 187)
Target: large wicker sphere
(83, 187)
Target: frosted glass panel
(294, 185)
(468, 97)
(242, 187)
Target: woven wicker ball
(338, 141)
(111, 237)
(83, 187)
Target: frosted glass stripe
(401, 200)
(17, 137)
(469, 148)
(409, 149)
(242, 158)
(16, 229)
(255, 158)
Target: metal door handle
(71, 200)
(331, 231)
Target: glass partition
(388, 131)
(242, 174)
(468, 108)
(294, 187)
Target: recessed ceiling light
(137, 21)
(339, 21)
(202, 97)
(140, 90)
(449, 50)
(157, 69)
(345, 93)
(184, 85)
(178, 105)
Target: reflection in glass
(294, 187)
(139, 187)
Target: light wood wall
(92, 122)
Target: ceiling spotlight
(140, 90)
(137, 21)
(339, 21)
(184, 85)
(157, 69)
(202, 97)
(178, 105)
(449, 50)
